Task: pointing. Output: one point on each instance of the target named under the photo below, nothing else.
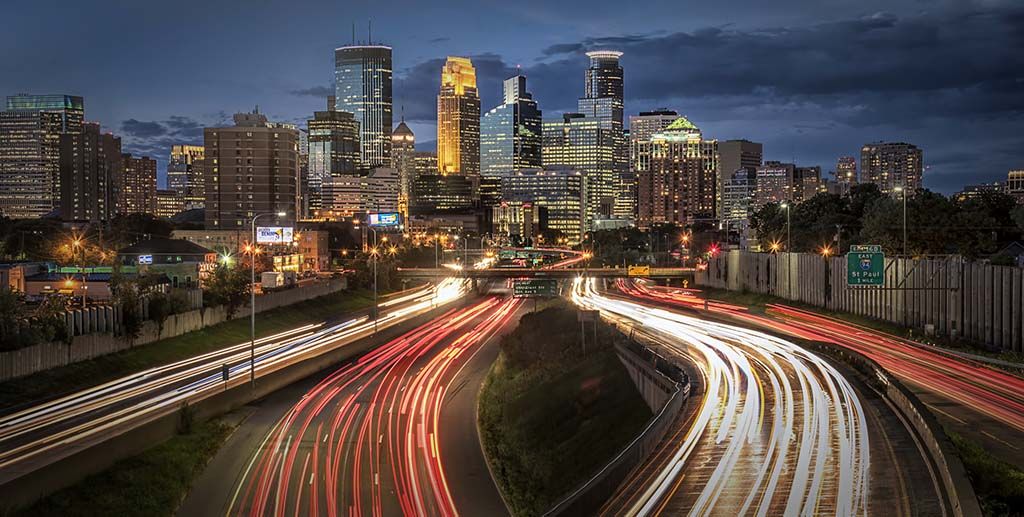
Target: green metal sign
(865, 265)
(535, 288)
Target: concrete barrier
(140, 435)
(659, 381)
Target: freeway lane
(367, 439)
(776, 430)
(41, 435)
(972, 398)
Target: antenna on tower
(369, 32)
(402, 109)
(353, 33)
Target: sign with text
(639, 270)
(865, 265)
(535, 288)
(386, 219)
(274, 234)
(145, 259)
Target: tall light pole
(252, 299)
(789, 254)
(373, 255)
(904, 192)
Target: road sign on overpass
(865, 265)
(535, 288)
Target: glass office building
(362, 87)
(561, 190)
(510, 134)
(458, 119)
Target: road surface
(46, 433)
(771, 429)
(393, 432)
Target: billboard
(388, 219)
(274, 234)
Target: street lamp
(789, 253)
(252, 298)
(904, 192)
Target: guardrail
(645, 364)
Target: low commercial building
(185, 263)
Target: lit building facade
(185, 174)
(439, 193)
(562, 192)
(252, 169)
(425, 162)
(168, 203)
(137, 194)
(892, 164)
(738, 198)
(91, 171)
(362, 87)
(333, 140)
(380, 190)
(592, 141)
(30, 133)
(846, 170)
(458, 119)
(510, 134)
(1015, 184)
(779, 182)
(681, 185)
(733, 156)
(403, 157)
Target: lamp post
(252, 299)
(789, 254)
(373, 255)
(904, 192)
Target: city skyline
(810, 118)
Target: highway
(372, 438)
(771, 430)
(38, 436)
(974, 399)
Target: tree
(228, 286)
(162, 306)
(1018, 217)
(126, 230)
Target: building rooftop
(164, 246)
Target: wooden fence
(971, 300)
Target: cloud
(137, 128)
(441, 39)
(314, 91)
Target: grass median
(551, 416)
(73, 377)
(999, 485)
(150, 484)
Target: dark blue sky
(812, 79)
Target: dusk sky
(812, 80)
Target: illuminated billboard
(274, 235)
(385, 219)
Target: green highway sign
(865, 265)
(535, 288)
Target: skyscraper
(334, 150)
(682, 181)
(251, 168)
(185, 175)
(733, 156)
(403, 157)
(561, 190)
(892, 164)
(362, 87)
(641, 128)
(91, 170)
(592, 141)
(30, 132)
(458, 119)
(137, 194)
(510, 134)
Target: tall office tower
(592, 141)
(185, 174)
(774, 183)
(251, 168)
(510, 134)
(561, 190)
(807, 183)
(30, 131)
(441, 193)
(892, 164)
(362, 87)
(641, 128)
(680, 186)
(91, 174)
(1015, 184)
(380, 190)
(345, 191)
(403, 157)
(458, 119)
(733, 156)
(138, 185)
(846, 170)
(333, 138)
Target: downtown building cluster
(505, 172)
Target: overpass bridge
(525, 272)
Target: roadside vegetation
(153, 483)
(999, 485)
(83, 374)
(551, 416)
